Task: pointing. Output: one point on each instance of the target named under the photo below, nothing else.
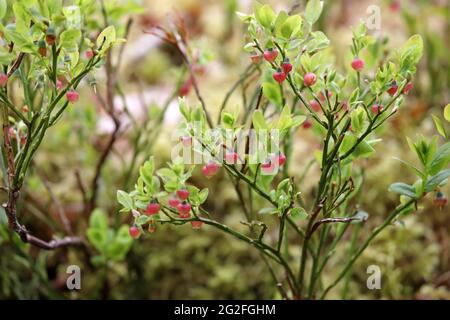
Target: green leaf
(184, 110)
(265, 15)
(228, 119)
(142, 219)
(299, 213)
(318, 41)
(125, 200)
(279, 21)
(69, 39)
(3, 8)
(411, 53)
(403, 189)
(106, 38)
(272, 92)
(22, 41)
(447, 112)
(98, 238)
(98, 219)
(146, 171)
(354, 96)
(412, 167)
(123, 236)
(363, 150)
(291, 26)
(116, 251)
(313, 11)
(348, 142)
(202, 196)
(440, 160)
(259, 122)
(439, 126)
(358, 117)
(267, 211)
(437, 180)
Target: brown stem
(25, 236)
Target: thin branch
(330, 220)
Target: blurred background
(175, 262)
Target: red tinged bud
(59, 84)
(266, 167)
(307, 124)
(174, 202)
(151, 227)
(50, 36)
(231, 157)
(184, 210)
(407, 88)
(270, 54)
(440, 200)
(279, 76)
(89, 54)
(394, 5)
(196, 224)
(3, 80)
(12, 133)
(72, 96)
(315, 106)
(210, 169)
(322, 96)
(344, 105)
(279, 159)
(186, 141)
(185, 88)
(134, 232)
(392, 89)
(286, 66)
(256, 58)
(377, 108)
(309, 79)
(183, 194)
(42, 51)
(152, 208)
(357, 64)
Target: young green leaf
(125, 200)
(447, 112)
(265, 15)
(437, 180)
(299, 213)
(272, 92)
(3, 8)
(313, 11)
(98, 219)
(403, 189)
(259, 122)
(439, 126)
(440, 160)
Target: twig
(330, 220)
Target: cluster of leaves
(112, 245)
(148, 190)
(44, 45)
(433, 157)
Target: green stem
(356, 255)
